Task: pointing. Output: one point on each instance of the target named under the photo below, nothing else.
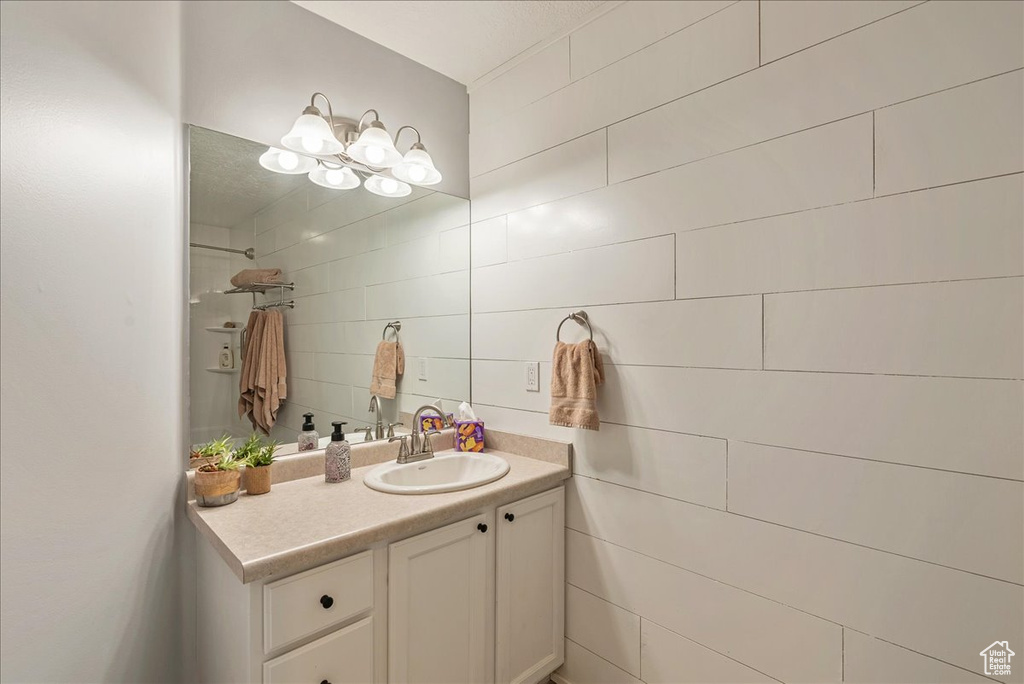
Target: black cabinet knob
(510, 516)
(326, 601)
(324, 681)
(482, 527)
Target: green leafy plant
(248, 448)
(215, 448)
(263, 456)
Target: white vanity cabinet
(477, 601)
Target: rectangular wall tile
(439, 295)
(973, 230)
(685, 467)
(581, 666)
(489, 242)
(723, 332)
(672, 659)
(643, 270)
(829, 495)
(630, 27)
(707, 52)
(868, 660)
(291, 205)
(791, 25)
(428, 215)
(938, 611)
(603, 628)
(775, 639)
(823, 166)
(529, 81)
(972, 328)
(969, 132)
(569, 169)
(914, 53)
(502, 383)
(942, 421)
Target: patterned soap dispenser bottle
(338, 456)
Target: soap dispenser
(309, 438)
(338, 456)
(227, 359)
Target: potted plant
(258, 457)
(217, 483)
(207, 454)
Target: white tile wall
(970, 328)
(847, 498)
(872, 661)
(672, 659)
(603, 628)
(541, 75)
(969, 132)
(813, 421)
(788, 26)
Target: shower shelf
(219, 329)
(222, 370)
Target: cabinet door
(441, 605)
(530, 588)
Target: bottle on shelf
(309, 438)
(227, 358)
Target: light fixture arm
(376, 117)
(419, 140)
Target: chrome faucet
(421, 446)
(378, 429)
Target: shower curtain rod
(249, 253)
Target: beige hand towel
(249, 276)
(264, 375)
(388, 364)
(576, 372)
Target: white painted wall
(251, 65)
(91, 530)
(797, 228)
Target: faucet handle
(403, 447)
(391, 429)
(367, 433)
(428, 448)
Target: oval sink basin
(446, 472)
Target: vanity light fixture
(337, 153)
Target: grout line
(597, 655)
(795, 529)
(874, 152)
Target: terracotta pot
(217, 488)
(256, 480)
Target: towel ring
(394, 325)
(581, 318)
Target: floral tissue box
(469, 435)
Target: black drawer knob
(482, 527)
(510, 516)
(326, 601)
(324, 681)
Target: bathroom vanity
(343, 584)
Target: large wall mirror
(357, 262)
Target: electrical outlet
(421, 366)
(533, 376)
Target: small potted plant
(258, 457)
(207, 454)
(217, 483)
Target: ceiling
(463, 40)
(227, 183)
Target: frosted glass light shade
(417, 168)
(286, 161)
(387, 187)
(341, 178)
(375, 148)
(312, 135)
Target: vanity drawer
(343, 657)
(300, 605)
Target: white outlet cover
(533, 376)
(422, 368)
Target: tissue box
(432, 423)
(469, 435)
